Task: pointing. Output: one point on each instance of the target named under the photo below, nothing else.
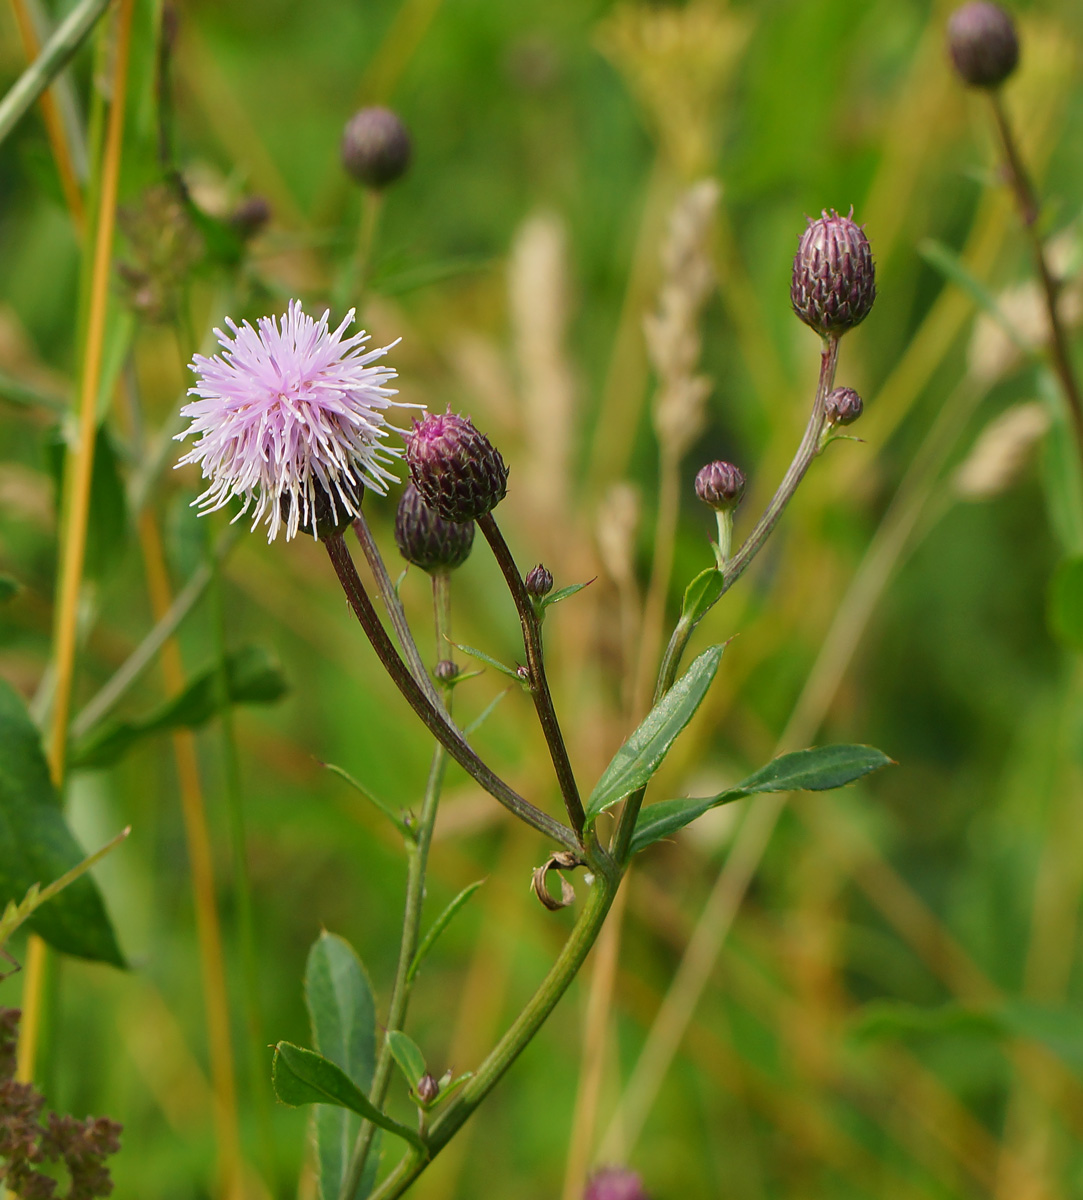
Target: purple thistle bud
(983, 44)
(426, 539)
(445, 670)
(720, 485)
(843, 406)
(539, 582)
(250, 216)
(834, 281)
(427, 1089)
(615, 1183)
(376, 147)
(457, 470)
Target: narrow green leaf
(304, 1077)
(388, 810)
(481, 656)
(485, 713)
(9, 588)
(815, 770)
(36, 845)
(1062, 479)
(407, 1054)
(563, 593)
(14, 391)
(253, 678)
(343, 1015)
(943, 259)
(640, 756)
(1065, 607)
(439, 925)
(702, 594)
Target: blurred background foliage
(895, 1009)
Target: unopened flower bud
(426, 539)
(721, 485)
(250, 216)
(983, 44)
(457, 470)
(615, 1183)
(445, 670)
(843, 406)
(427, 1089)
(376, 148)
(834, 281)
(539, 582)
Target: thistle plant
(291, 421)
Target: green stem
(736, 567)
(518, 1036)
(418, 853)
(437, 722)
(54, 56)
(539, 684)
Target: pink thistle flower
(290, 413)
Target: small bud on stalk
(426, 539)
(834, 281)
(539, 582)
(983, 44)
(843, 406)
(250, 216)
(720, 485)
(445, 670)
(615, 1183)
(376, 147)
(427, 1089)
(457, 470)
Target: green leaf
(1062, 479)
(814, 770)
(943, 259)
(382, 805)
(36, 845)
(1065, 602)
(481, 656)
(9, 588)
(563, 593)
(252, 678)
(407, 1054)
(485, 713)
(343, 1015)
(439, 925)
(14, 391)
(640, 756)
(702, 594)
(304, 1077)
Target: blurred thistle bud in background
(843, 406)
(457, 470)
(615, 1183)
(834, 280)
(376, 147)
(539, 582)
(250, 215)
(983, 44)
(720, 485)
(426, 539)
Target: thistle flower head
(290, 418)
(426, 539)
(457, 470)
(615, 1183)
(983, 44)
(720, 485)
(834, 281)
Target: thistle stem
(737, 565)
(437, 722)
(1029, 210)
(417, 850)
(539, 684)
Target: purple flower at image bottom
(615, 1183)
(291, 411)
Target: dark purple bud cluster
(539, 582)
(376, 147)
(983, 44)
(457, 470)
(834, 281)
(615, 1183)
(721, 485)
(843, 406)
(426, 539)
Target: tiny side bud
(457, 470)
(427, 1089)
(539, 582)
(834, 281)
(445, 670)
(376, 148)
(983, 44)
(720, 485)
(843, 406)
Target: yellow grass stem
(197, 837)
(79, 468)
(54, 126)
